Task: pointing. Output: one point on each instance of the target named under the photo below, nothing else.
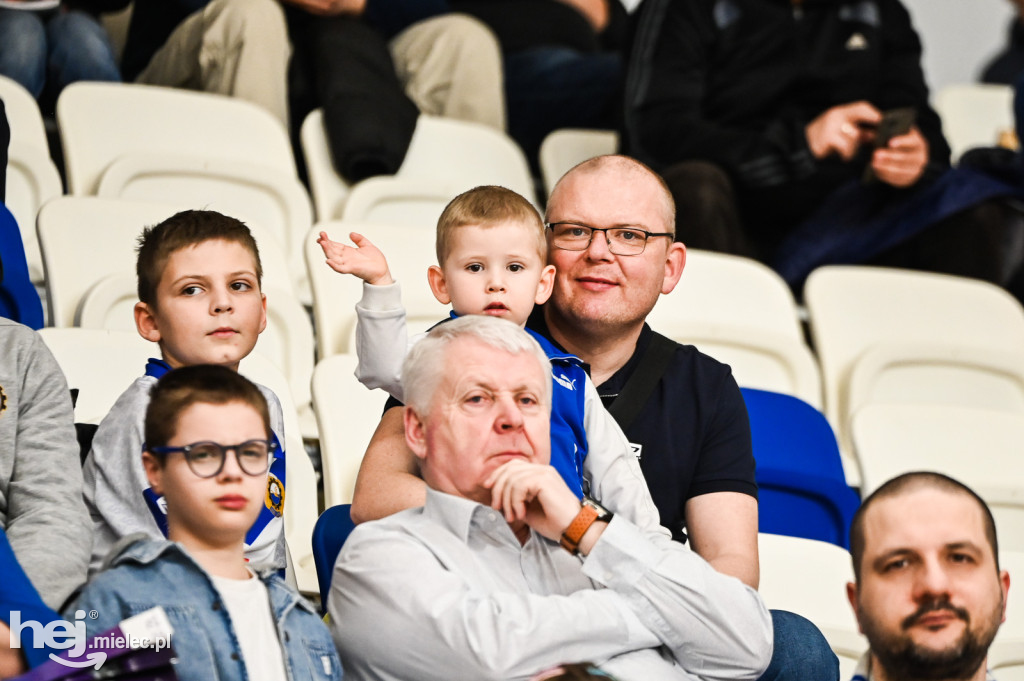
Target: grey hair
(426, 362)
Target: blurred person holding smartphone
(762, 117)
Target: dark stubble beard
(904, 660)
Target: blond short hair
(487, 206)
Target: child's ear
(145, 322)
(263, 313)
(545, 285)
(435, 277)
(154, 472)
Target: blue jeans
(548, 88)
(801, 653)
(57, 47)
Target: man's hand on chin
(534, 494)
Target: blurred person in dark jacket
(762, 116)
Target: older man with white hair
(504, 572)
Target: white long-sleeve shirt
(447, 592)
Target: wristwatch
(590, 511)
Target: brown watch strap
(577, 528)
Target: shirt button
(234, 656)
(216, 605)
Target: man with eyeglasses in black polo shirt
(690, 431)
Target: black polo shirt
(692, 436)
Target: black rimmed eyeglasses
(625, 240)
(206, 459)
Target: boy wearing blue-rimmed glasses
(208, 448)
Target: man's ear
(675, 261)
(544, 286)
(1004, 584)
(145, 322)
(851, 595)
(438, 285)
(154, 472)
(415, 433)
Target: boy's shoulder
(128, 567)
(129, 409)
(139, 549)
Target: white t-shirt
(248, 606)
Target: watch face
(602, 512)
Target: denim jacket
(147, 573)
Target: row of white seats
(142, 142)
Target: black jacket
(735, 82)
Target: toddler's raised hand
(364, 260)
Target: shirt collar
(617, 381)
(157, 367)
(464, 517)
(537, 326)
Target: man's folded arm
(441, 620)
(716, 626)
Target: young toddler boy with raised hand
(492, 259)
(199, 278)
(208, 444)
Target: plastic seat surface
(409, 251)
(329, 534)
(32, 177)
(802, 490)
(347, 414)
(396, 200)
(100, 122)
(99, 363)
(23, 115)
(979, 447)
(926, 373)
(854, 308)
(461, 153)
(32, 180)
(974, 114)
(809, 578)
(741, 312)
(564, 148)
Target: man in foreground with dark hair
(929, 594)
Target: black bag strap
(638, 388)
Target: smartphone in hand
(894, 123)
